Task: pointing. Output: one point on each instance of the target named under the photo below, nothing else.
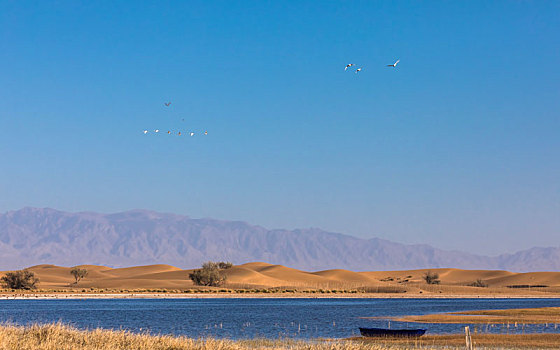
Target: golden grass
(508, 316)
(480, 341)
(62, 337)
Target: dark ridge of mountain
(33, 236)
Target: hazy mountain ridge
(35, 236)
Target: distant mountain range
(33, 236)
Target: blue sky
(457, 147)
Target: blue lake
(249, 318)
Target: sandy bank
(29, 296)
(262, 280)
(542, 315)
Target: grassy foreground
(62, 337)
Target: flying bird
(179, 133)
(348, 66)
(394, 64)
(145, 132)
(358, 70)
(156, 130)
(206, 133)
(167, 104)
(168, 132)
(192, 133)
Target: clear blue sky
(459, 147)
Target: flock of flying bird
(169, 132)
(191, 133)
(394, 65)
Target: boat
(385, 332)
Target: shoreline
(72, 295)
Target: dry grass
(541, 315)
(481, 341)
(61, 337)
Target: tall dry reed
(63, 337)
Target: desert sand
(260, 275)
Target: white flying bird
(358, 70)
(394, 64)
(206, 133)
(145, 132)
(349, 65)
(156, 130)
(192, 133)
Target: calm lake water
(248, 318)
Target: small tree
(431, 278)
(22, 279)
(78, 274)
(478, 283)
(211, 274)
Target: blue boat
(384, 332)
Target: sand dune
(532, 278)
(245, 275)
(260, 274)
(346, 276)
(287, 274)
(142, 270)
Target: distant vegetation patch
(211, 274)
(478, 283)
(431, 278)
(22, 279)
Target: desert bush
(22, 279)
(382, 289)
(209, 275)
(478, 283)
(431, 278)
(225, 265)
(528, 286)
(78, 273)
